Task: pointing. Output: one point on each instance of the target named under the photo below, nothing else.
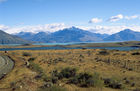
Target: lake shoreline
(129, 45)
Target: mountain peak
(125, 35)
(127, 30)
(72, 28)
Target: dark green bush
(87, 80)
(53, 88)
(113, 83)
(136, 53)
(31, 59)
(26, 54)
(54, 79)
(67, 73)
(55, 73)
(103, 52)
(12, 84)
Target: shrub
(54, 79)
(35, 67)
(53, 88)
(103, 52)
(136, 53)
(31, 59)
(55, 73)
(26, 54)
(87, 80)
(133, 84)
(67, 73)
(12, 84)
(113, 83)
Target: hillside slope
(6, 38)
(125, 35)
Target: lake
(63, 48)
(70, 43)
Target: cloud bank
(59, 26)
(34, 29)
(109, 29)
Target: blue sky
(83, 13)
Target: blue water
(62, 48)
(70, 43)
(73, 43)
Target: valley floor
(73, 70)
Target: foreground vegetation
(73, 70)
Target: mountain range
(72, 34)
(66, 35)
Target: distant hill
(25, 35)
(39, 37)
(6, 38)
(125, 35)
(72, 34)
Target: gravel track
(6, 65)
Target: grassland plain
(45, 70)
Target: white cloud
(95, 20)
(34, 29)
(3, 27)
(109, 29)
(116, 18)
(2, 1)
(131, 17)
(59, 26)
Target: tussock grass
(109, 64)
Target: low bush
(54, 79)
(31, 59)
(87, 80)
(35, 67)
(103, 52)
(67, 73)
(135, 53)
(26, 54)
(53, 88)
(113, 83)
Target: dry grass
(117, 64)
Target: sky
(100, 16)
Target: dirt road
(6, 65)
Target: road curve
(6, 65)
